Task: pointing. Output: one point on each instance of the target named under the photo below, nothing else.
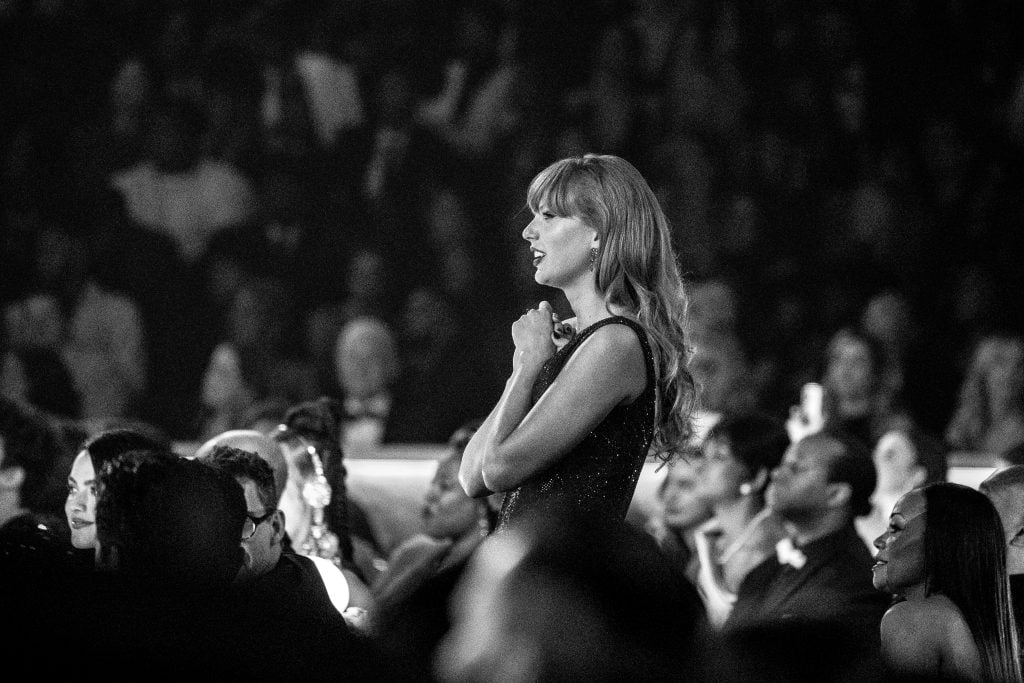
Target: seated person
(905, 459)
(411, 612)
(739, 453)
(954, 620)
(168, 531)
(989, 415)
(310, 438)
(680, 512)
(1005, 488)
(80, 506)
(821, 570)
(255, 442)
(590, 600)
(33, 533)
(285, 588)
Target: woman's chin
(878, 580)
(82, 543)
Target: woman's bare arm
(516, 440)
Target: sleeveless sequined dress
(599, 475)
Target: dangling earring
(593, 257)
(746, 488)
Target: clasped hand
(533, 335)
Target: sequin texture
(599, 475)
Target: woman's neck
(589, 306)
(734, 515)
(915, 592)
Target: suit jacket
(833, 586)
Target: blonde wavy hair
(635, 269)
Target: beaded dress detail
(599, 475)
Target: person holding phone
(575, 422)
(851, 397)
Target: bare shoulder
(615, 338)
(949, 622)
(915, 624)
(618, 346)
(909, 641)
(613, 347)
(930, 634)
(930, 613)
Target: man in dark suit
(281, 596)
(821, 575)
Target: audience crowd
(289, 232)
(198, 199)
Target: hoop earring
(593, 257)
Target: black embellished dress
(599, 475)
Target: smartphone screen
(812, 398)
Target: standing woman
(575, 423)
(944, 553)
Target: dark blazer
(833, 586)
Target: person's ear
(12, 477)
(838, 494)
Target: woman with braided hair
(320, 520)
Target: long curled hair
(635, 269)
(318, 423)
(965, 560)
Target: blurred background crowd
(212, 211)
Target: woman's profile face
(719, 473)
(560, 247)
(683, 508)
(296, 510)
(447, 511)
(80, 506)
(899, 563)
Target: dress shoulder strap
(639, 329)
